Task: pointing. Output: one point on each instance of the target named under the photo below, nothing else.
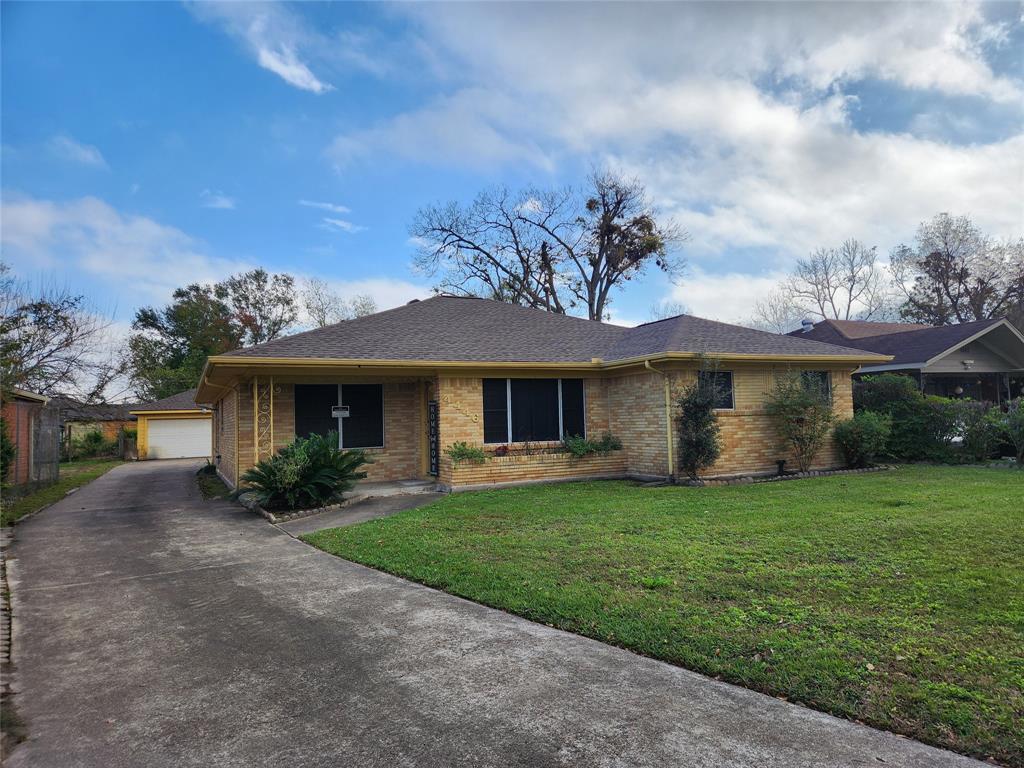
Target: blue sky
(147, 145)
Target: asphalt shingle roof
(183, 401)
(917, 344)
(74, 410)
(448, 328)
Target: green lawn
(894, 598)
(72, 475)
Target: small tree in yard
(802, 415)
(1012, 423)
(699, 442)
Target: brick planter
(525, 468)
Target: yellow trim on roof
(175, 412)
(596, 365)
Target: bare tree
(550, 249)
(666, 309)
(841, 283)
(776, 312)
(844, 283)
(956, 274)
(326, 307)
(53, 341)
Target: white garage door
(179, 438)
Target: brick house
(407, 383)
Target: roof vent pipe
(808, 325)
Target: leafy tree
(167, 352)
(8, 451)
(52, 340)
(802, 415)
(1011, 425)
(699, 441)
(549, 249)
(326, 307)
(265, 306)
(956, 274)
(170, 345)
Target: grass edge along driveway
(72, 475)
(893, 598)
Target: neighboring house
(173, 428)
(983, 360)
(407, 383)
(78, 419)
(32, 427)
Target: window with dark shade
(539, 410)
(819, 382)
(573, 419)
(722, 382)
(534, 410)
(313, 404)
(364, 426)
(495, 410)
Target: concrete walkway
(155, 629)
(359, 512)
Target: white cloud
(341, 225)
(135, 256)
(728, 297)
(744, 133)
(332, 207)
(475, 127)
(67, 148)
(274, 35)
(216, 199)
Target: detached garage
(174, 428)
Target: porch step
(366, 490)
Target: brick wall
(224, 436)
(533, 467)
(19, 417)
(631, 406)
(399, 459)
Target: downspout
(668, 418)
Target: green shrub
(580, 446)
(463, 451)
(310, 472)
(863, 438)
(8, 451)
(92, 444)
(1011, 426)
(802, 415)
(980, 429)
(923, 428)
(699, 442)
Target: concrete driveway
(155, 629)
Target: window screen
(534, 410)
(534, 405)
(722, 382)
(819, 382)
(573, 420)
(313, 403)
(364, 426)
(495, 410)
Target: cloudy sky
(149, 145)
